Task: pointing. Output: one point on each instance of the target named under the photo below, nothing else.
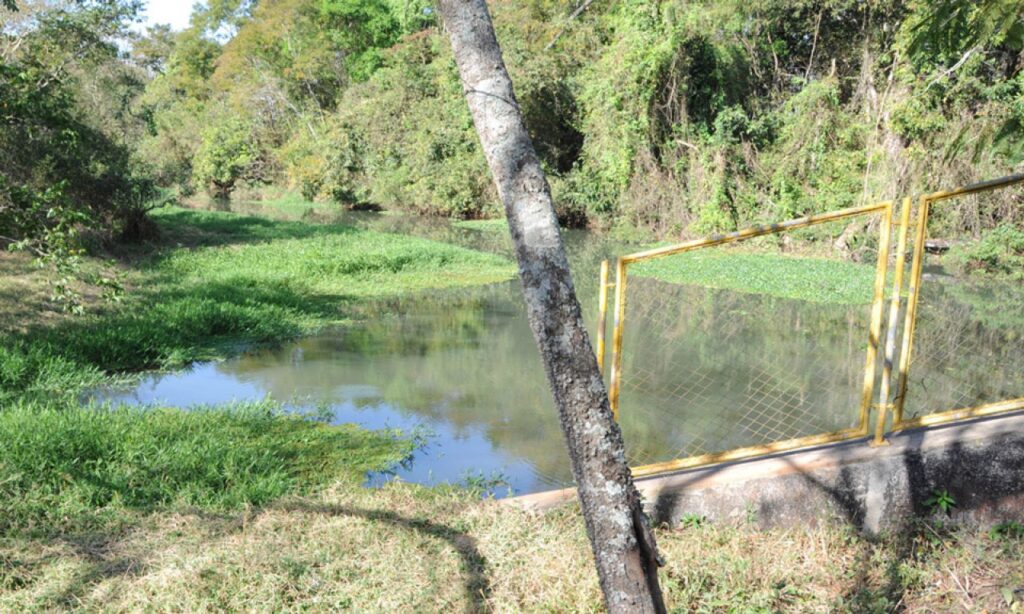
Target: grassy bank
(818, 280)
(217, 281)
(67, 468)
(212, 284)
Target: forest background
(655, 119)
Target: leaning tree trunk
(624, 548)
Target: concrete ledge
(980, 463)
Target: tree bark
(624, 549)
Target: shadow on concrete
(871, 491)
(886, 497)
(477, 586)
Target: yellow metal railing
(887, 401)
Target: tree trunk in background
(624, 548)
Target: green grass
(36, 371)
(213, 283)
(219, 280)
(70, 467)
(816, 280)
(337, 262)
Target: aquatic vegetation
(239, 280)
(214, 283)
(818, 280)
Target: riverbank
(212, 283)
(216, 282)
(243, 508)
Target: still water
(705, 370)
(457, 368)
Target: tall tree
(624, 549)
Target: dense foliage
(681, 117)
(674, 116)
(66, 125)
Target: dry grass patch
(24, 294)
(26, 291)
(407, 548)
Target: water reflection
(461, 367)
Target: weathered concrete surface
(980, 463)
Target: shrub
(1000, 251)
(226, 156)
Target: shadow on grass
(201, 229)
(476, 584)
(102, 557)
(190, 229)
(103, 562)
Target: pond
(705, 369)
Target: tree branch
(574, 15)
(952, 68)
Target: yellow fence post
(620, 317)
(877, 307)
(602, 314)
(892, 332)
(913, 293)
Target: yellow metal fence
(700, 375)
(947, 343)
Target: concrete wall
(980, 463)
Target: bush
(999, 251)
(226, 156)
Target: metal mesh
(734, 360)
(968, 343)
(713, 365)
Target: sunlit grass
(495, 225)
(213, 283)
(346, 265)
(66, 467)
(219, 280)
(410, 549)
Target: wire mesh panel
(968, 345)
(731, 347)
(968, 330)
(734, 346)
